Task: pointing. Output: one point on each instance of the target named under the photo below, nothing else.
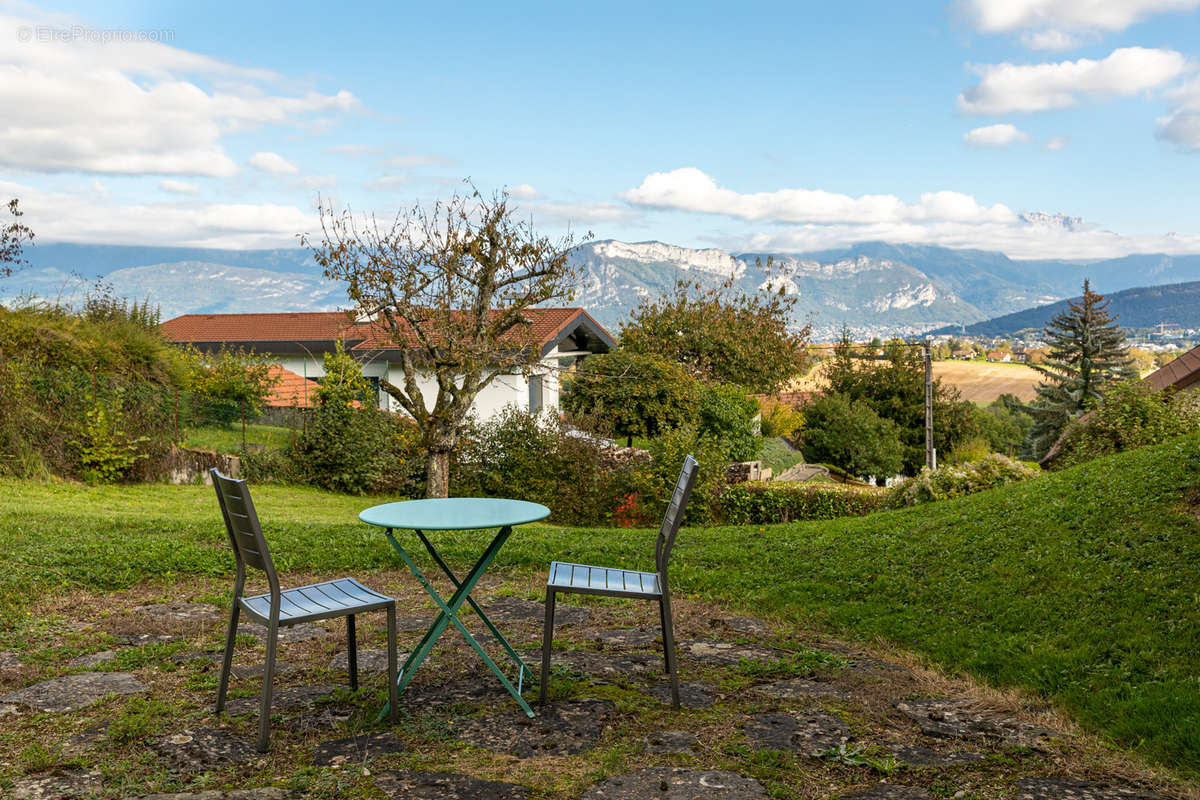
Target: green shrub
(633, 394)
(647, 487)
(537, 458)
(726, 416)
(106, 452)
(268, 465)
(849, 434)
(780, 419)
(767, 503)
(960, 479)
(1133, 415)
(57, 367)
(343, 447)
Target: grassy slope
(1080, 585)
(228, 439)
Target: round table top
(454, 513)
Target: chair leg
(264, 719)
(393, 694)
(227, 659)
(664, 606)
(547, 639)
(352, 652)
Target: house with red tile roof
(298, 342)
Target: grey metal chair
(343, 597)
(566, 578)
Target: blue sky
(756, 126)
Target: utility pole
(930, 453)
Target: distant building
(998, 356)
(297, 343)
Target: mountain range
(873, 288)
(1143, 307)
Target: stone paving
(674, 783)
(756, 721)
(73, 692)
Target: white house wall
(503, 391)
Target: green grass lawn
(777, 456)
(1080, 586)
(229, 439)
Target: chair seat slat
(603, 580)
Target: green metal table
(456, 514)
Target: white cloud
(1016, 240)
(1057, 143)
(273, 163)
(1182, 125)
(1052, 40)
(177, 187)
(523, 191)
(74, 104)
(1054, 17)
(83, 217)
(385, 182)
(1002, 135)
(690, 189)
(355, 149)
(319, 182)
(805, 220)
(419, 160)
(1004, 88)
(567, 214)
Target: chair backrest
(674, 516)
(241, 521)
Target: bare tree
(11, 238)
(450, 286)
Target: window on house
(535, 394)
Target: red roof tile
(290, 390)
(793, 399)
(1182, 373)
(546, 323)
(298, 327)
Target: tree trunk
(437, 474)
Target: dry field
(979, 382)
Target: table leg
(448, 615)
(521, 665)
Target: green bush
(726, 416)
(849, 434)
(1133, 415)
(647, 487)
(632, 394)
(767, 503)
(106, 452)
(57, 367)
(960, 479)
(537, 458)
(344, 446)
(780, 419)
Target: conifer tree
(1087, 353)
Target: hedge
(763, 503)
